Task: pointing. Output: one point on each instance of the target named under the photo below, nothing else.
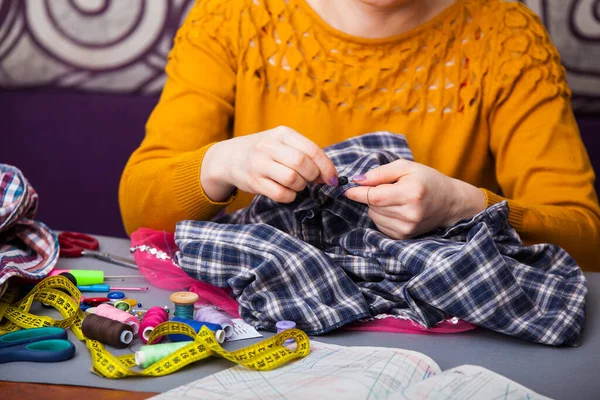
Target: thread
(284, 325)
(185, 312)
(154, 317)
(148, 355)
(197, 325)
(215, 316)
(113, 313)
(184, 304)
(107, 331)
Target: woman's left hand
(407, 199)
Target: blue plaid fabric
(321, 262)
(28, 249)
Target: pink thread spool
(108, 311)
(154, 317)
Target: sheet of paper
(335, 371)
(468, 382)
(242, 330)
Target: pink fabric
(397, 325)
(166, 275)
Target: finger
(274, 191)
(389, 211)
(388, 173)
(296, 160)
(326, 168)
(389, 233)
(394, 228)
(381, 221)
(285, 176)
(382, 195)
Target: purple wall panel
(72, 148)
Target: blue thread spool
(197, 325)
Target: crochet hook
(108, 288)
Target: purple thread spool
(283, 326)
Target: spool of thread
(107, 331)
(148, 355)
(283, 326)
(184, 304)
(197, 325)
(154, 317)
(105, 310)
(215, 316)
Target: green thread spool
(148, 355)
(184, 304)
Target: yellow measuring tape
(263, 356)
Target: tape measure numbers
(266, 355)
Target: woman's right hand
(276, 163)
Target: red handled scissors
(75, 244)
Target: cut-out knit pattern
(439, 67)
(478, 92)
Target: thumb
(388, 173)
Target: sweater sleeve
(541, 163)
(161, 182)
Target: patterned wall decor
(90, 45)
(121, 46)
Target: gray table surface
(557, 372)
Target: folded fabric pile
(321, 262)
(28, 249)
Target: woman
(256, 88)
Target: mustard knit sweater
(478, 91)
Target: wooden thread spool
(184, 304)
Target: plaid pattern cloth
(28, 249)
(321, 262)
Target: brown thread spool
(107, 331)
(184, 304)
